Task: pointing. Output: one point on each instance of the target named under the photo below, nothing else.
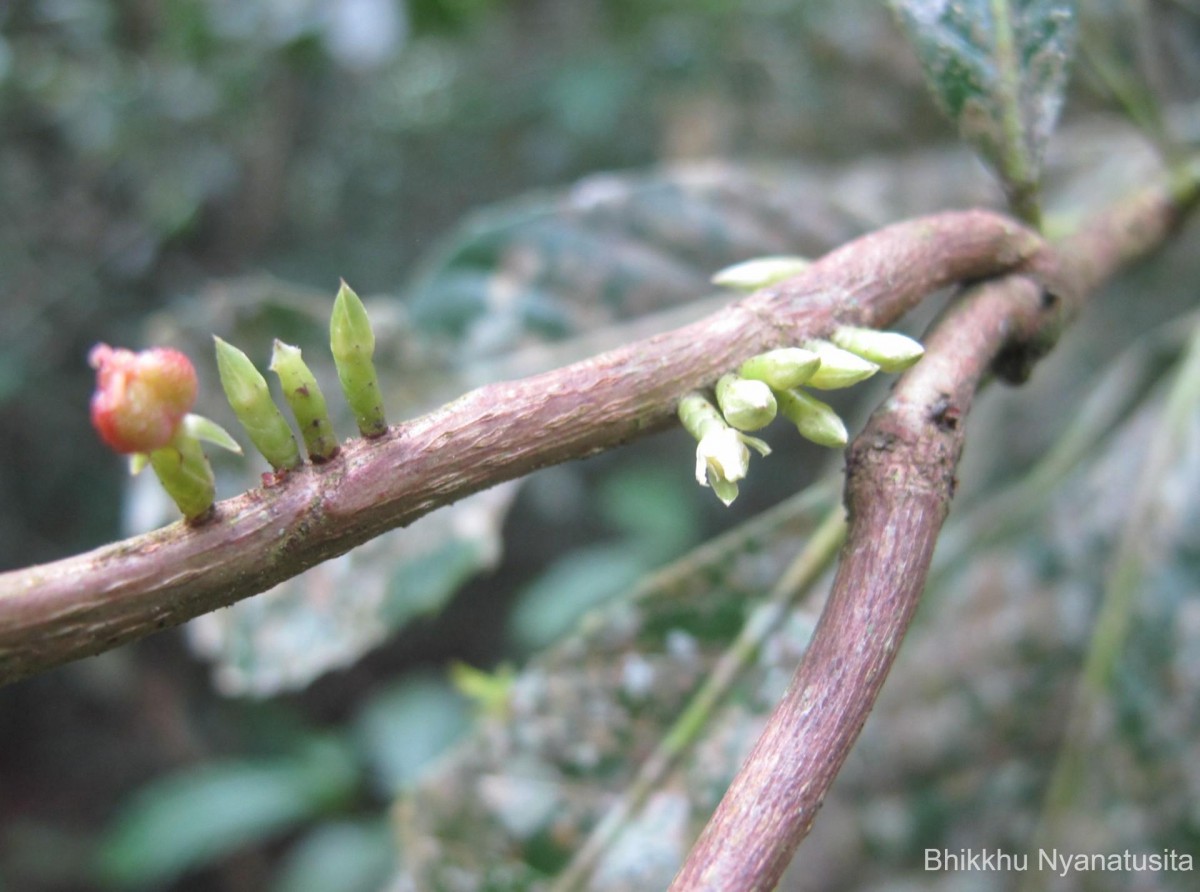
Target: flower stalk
(184, 472)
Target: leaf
(349, 857)
(998, 69)
(333, 614)
(510, 805)
(569, 587)
(406, 726)
(197, 816)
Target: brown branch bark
(83, 605)
(899, 485)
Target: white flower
(722, 459)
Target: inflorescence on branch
(89, 603)
(900, 471)
(753, 355)
(900, 479)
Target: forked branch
(899, 484)
(83, 605)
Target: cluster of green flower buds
(777, 382)
(142, 402)
(352, 343)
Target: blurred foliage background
(510, 185)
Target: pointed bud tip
(350, 329)
(890, 350)
(759, 272)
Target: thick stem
(900, 481)
(83, 605)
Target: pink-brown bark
(899, 485)
(83, 605)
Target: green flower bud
(747, 405)
(184, 472)
(722, 458)
(750, 275)
(814, 419)
(890, 350)
(781, 369)
(353, 345)
(839, 368)
(303, 394)
(248, 394)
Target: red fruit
(140, 398)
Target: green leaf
(998, 68)
(202, 814)
(408, 725)
(570, 586)
(349, 857)
(509, 806)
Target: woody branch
(83, 605)
(899, 485)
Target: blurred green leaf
(569, 587)
(189, 819)
(589, 95)
(505, 809)
(348, 857)
(998, 68)
(407, 725)
(423, 584)
(652, 506)
(1115, 42)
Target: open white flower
(722, 459)
(722, 456)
